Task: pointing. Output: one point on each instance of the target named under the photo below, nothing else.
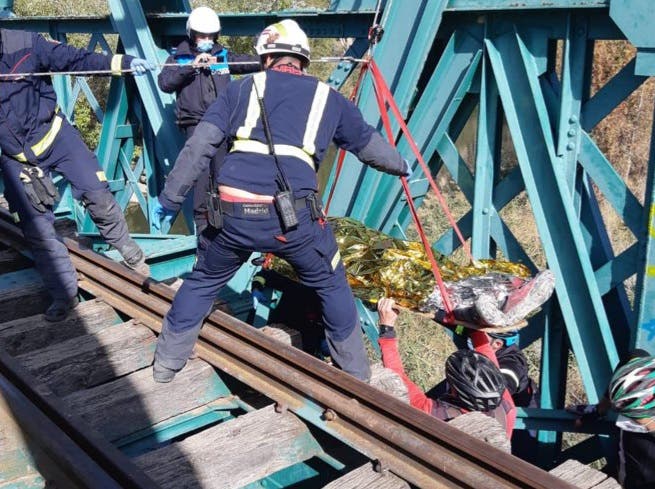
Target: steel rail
(406, 441)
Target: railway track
(79, 407)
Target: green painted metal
(149, 439)
(635, 18)
(448, 63)
(562, 239)
(643, 336)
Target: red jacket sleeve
(391, 360)
(481, 344)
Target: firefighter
(35, 139)
(269, 202)
(201, 75)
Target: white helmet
(285, 36)
(203, 20)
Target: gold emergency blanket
(379, 266)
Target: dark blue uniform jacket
(27, 105)
(195, 88)
(287, 100)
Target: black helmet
(478, 383)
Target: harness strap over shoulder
(244, 144)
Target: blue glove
(161, 216)
(408, 169)
(140, 66)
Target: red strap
(387, 97)
(342, 152)
(382, 103)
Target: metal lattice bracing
(518, 73)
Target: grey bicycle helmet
(477, 382)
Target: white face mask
(627, 424)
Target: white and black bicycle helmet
(477, 382)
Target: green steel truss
(505, 72)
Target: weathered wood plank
(388, 381)
(581, 475)
(484, 428)
(136, 402)
(22, 294)
(232, 454)
(91, 360)
(365, 477)
(28, 482)
(32, 333)
(283, 333)
(11, 260)
(609, 483)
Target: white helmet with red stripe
(284, 37)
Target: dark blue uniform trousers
(69, 156)
(310, 249)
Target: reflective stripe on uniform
(335, 260)
(116, 64)
(315, 116)
(251, 146)
(44, 143)
(253, 112)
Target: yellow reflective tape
(651, 221)
(46, 141)
(281, 29)
(335, 260)
(650, 270)
(116, 64)
(101, 176)
(315, 115)
(16, 217)
(251, 146)
(253, 113)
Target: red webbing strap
(410, 202)
(342, 152)
(387, 97)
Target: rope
(387, 97)
(342, 152)
(381, 97)
(11, 76)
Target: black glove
(39, 188)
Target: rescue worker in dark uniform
(201, 75)
(304, 116)
(35, 139)
(474, 380)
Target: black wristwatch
(387, 331)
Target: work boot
(137, 261)
(529, 297)
(161, 374)
(60, 308)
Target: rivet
(573, 119)
(570, 146)
(571, 133)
